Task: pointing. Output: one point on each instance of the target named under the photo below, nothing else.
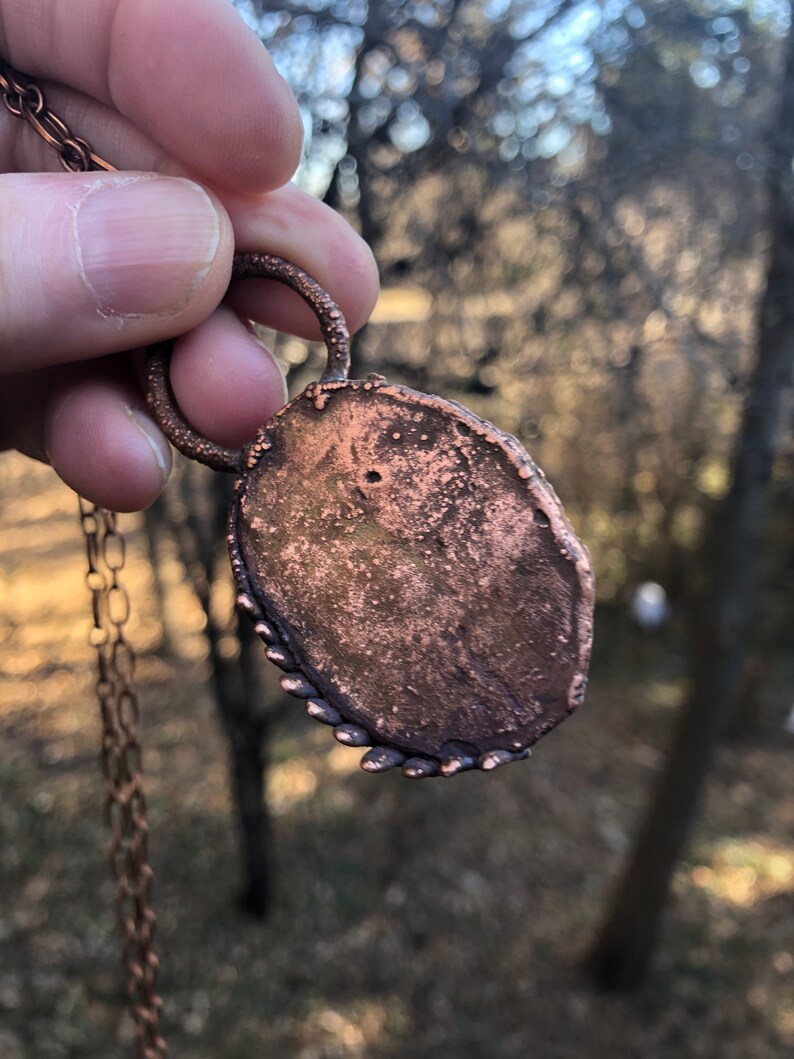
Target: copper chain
(24, 99)
(125, 805)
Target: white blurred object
(649, 606)
(789, 725)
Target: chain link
(125, 804)
(24, 99)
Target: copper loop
(160, 396)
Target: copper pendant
(406, 563)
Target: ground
(442, 918)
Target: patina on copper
(406, 563)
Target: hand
(182, 97)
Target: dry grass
(439, 919)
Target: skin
(184, 99)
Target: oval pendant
(411, 570)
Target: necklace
(406, 564)
(125, 804)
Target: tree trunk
(243, 710)
(245, 722)
(625, 945)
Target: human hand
(95, 265)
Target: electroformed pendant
(407, 564)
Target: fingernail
(146, 245)
(157, 442)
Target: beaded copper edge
(294, 681)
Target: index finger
(188, 73)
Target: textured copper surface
(415, 575)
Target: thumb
(97, 263)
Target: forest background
(583, 213)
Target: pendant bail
(160, 395)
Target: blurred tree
(247, 707)
(399, 88)
(721, 616)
